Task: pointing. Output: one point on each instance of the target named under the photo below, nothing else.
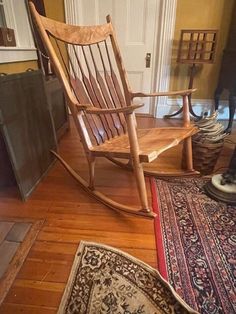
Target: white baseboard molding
(199, 106)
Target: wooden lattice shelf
(197, 46)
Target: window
(2, 15)
(13, 14)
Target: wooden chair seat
(152, 142)
(88, 63)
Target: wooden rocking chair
(100, 100)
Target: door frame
(164, 34)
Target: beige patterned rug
(106, 280)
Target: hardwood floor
(71, 216)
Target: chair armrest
(94, 110)
(82, 107)
(184, 93)
(173, 93)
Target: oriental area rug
(106, 280)
(196, 244)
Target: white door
(135, 25)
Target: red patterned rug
(196, 244)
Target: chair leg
(140, 180)
(137, 166)
(91, 163)
(188, 154)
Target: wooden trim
(21, 253)
(16, 54)
(165, 36)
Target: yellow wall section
(17, 67)
(200, 14)
(55, 9)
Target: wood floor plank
(125, 224)
(39, 293)
(110, 238)
(51, 270)
(26, 309)
(21, 249)
(48, 261)
(53, 248)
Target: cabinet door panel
(27, 127)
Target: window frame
(25, 49)
(2, 6)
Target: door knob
(148, 60)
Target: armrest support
(173, 93)
(131, 123)
(184, 93)
(186, 114)
(94, 110)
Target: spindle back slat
(115, 103)
(93, 75)
(96, 124)
(98, 86)
(106, 119)
(113, 119)
(114, 79)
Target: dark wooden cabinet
(57, 103)
(33, 116)
(7, 177)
